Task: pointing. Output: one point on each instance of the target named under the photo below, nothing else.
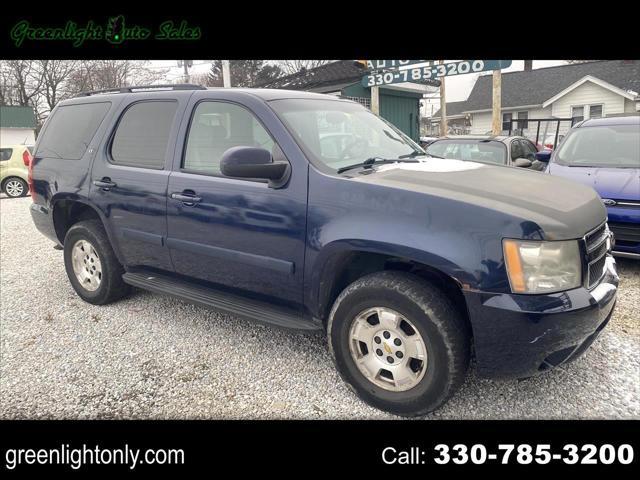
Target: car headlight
(542, 267)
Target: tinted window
(143, 134)
(466, 149)
(215, 128)
(71, 129)
(5, 154)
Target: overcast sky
(457, 87)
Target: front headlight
(542, 267)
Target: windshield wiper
(370, 162)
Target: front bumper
(523, 335)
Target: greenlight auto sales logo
(115, 31)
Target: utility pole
(443, 108)
(496, 120)
(226, 74)
(375, 100)
(186, 64)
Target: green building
(399, 103)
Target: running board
(251, 309)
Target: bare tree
(23, 82)
(294, 66)
(105, 74)
(56, 74)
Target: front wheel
(399, 343)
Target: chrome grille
(597, 247)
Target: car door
(235, 233)
(130, 175)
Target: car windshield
(601, 146)
(340, 134)
(477, 150)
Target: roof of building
(338, 74)
(524, 88)
(17, 117)
(330, 77)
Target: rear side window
(5, 154)
(71, 129)
(143, 134)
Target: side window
(215, 128)
(71, 129)
(516, 150)
(142, 134)
(5, 154)
(529, 150)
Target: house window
(595, 111)
(506, 121)
(577, 113)
(522, 125)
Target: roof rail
(170, 86)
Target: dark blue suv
(307, 211)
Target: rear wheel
(15, 187)
(399, 343)
(91, 264)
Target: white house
(17, 126)
(578, 91)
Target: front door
(129, 180)
(235, 233)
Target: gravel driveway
(154, 357)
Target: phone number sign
(432, 72)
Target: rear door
(236, 233)
(130, 175)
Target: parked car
(14, 163)
(426, 141)
(499, 150)
(604, 153)
(406, 261)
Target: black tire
(111, 286)
(443, 330)
(22, 184)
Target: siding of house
(630, 106)
(17, 136)
(588, 94)
(481, 122)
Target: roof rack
(171, 86)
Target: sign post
(443, 108)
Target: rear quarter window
(142, 134)
(71, 129)
(5, 154)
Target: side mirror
(544, 156)
(252, 162)
(522, 162)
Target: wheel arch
(343, 263)
(69, 210)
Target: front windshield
(340, 134)
(485, 151)
(601, 146)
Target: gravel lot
(154, 357)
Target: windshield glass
(486, 151)
(340, 134)
(601, 146)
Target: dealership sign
(427, 72)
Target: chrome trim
(626, 254)
(593, 246)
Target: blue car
(604, 153)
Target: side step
(236, 305)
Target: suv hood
(562, 209)
(613, 183)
